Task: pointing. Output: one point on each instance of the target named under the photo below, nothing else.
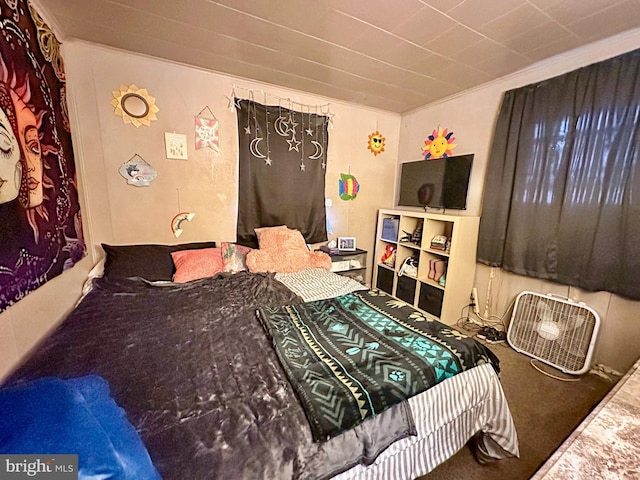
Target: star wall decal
(291, 126)
(293, 144)
(232, 103)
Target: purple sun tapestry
(41, 233)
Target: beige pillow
(284, 250)
(280, 239)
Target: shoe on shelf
(432, 268)
(440, 267)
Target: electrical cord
(494, 321)
(466, 323)
(532, 362)
(473, 326)
(499, 320)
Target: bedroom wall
(24, 324)
(472, 117)
(206, 183)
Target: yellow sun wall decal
(134, 105)
(438, 144)
(376, 143)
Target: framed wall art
(175, 146)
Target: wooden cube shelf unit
(442, 302)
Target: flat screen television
(439, 183)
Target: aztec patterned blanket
(352, 357)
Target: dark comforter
(200, 381)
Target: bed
(195, 367)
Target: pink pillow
(196, 264)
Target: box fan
(554, 330)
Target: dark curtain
(562, 191)
(283, 157)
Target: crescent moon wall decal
(318, 152)
(280, 130)
(178, 219)
(253, 148)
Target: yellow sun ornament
(376, 143)
(438, 144)
(134, 105)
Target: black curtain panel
(283, 158)
(562, 191)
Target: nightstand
(351, 264)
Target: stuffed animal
(389, 256)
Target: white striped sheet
(446, 417)
(318, 284)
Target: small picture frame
(347, 244)
(175, 145)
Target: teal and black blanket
(351, 357)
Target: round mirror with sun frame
(134, 105)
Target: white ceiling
(394, 55)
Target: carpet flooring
(545, 411)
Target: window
(562, 192)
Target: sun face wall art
(439, 144)
(41, 233)
(376, 143)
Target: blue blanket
(74, 416)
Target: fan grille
(558, 332)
